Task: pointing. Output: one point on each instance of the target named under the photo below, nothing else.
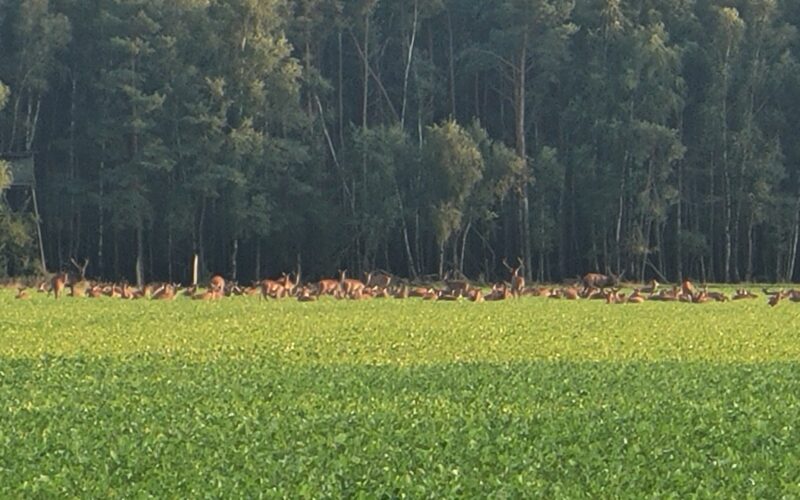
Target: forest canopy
(415, 136)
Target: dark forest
(658, 138)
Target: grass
(533, 397)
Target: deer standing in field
(327, 286)
(378, 279)
(517, 280)
(597, 280)
(63, 280)
(350, 286)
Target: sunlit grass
(535, 397)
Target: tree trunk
(234, 259)
(139, 256)
(520, 83)
(620, 216)
(464, 246)
(441, 259)
(408, 64)
(258, 259)
(170, 272)
(795, 240)
(678, 226)
(451, 65)
(199, 246)
(749, 275)
(340, 92)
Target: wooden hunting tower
(23, 178)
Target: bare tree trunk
(678, 225)
(31, 123)
(620, 216)
(258, 259)
(170, 273)
(451, 65)
(408, 64)
(520, 83)
(409, 255)
(199, 246)
(727, 222)
(441, 259)
(234, 259)
(139, 256)
(365, 89)
(464, 246)
(725, 170)
(340, 92)
(749, 275)
(795, 240)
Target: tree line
(419, 137)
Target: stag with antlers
(517, 279)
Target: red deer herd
(377, 285)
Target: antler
(81, 268)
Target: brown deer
(457, 287)
(69, 279)
(687, 288)
(418, 291)
(164, 292)
(636, 297)
(350, 285)
(327, 286)
(210, 294)
(499, 291)
(650, 288)
(57, 283)
(570, 293)
(273, 288)
(217, 283)
(21, 293)
(475, 295)
(378, 279)
(743, 293)
(614, 297)
(715, 295)
(304, 295)
(517, 280)
(597, 280)
(774, 297)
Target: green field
(534, 397)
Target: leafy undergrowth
(339, 399)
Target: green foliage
(453, 166)
(647, 135)
(129, 398)
(4, 93)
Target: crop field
(388, 398)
